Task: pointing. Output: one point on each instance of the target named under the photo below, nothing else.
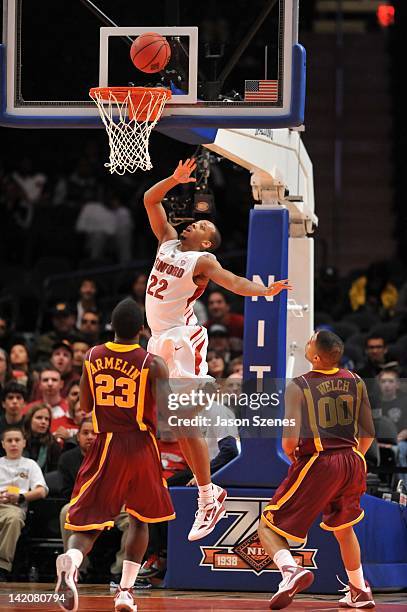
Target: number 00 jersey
(330, 410)
(118, 377)
(171, 290)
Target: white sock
(129, 574)
(76, 556)
(356, 578)
(283, 558)
(206, 493)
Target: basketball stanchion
(129, 114)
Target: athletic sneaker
(356, 598)
(67, 576)
(124, 602)
(298, 579)
(219, 493)
(208, 515)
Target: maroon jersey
(119, 380)
(330, 410)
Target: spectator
(49, 392)
(68, 467)
(216, 365)
(98, 225)
(87, 298)
(41, 445)
(124, 229)
(219, 312)
(20, 365)
(91, 326)
(82, 184)
(138, 290)
(376, 352)
(236, 366)
(31, 183)
(67, 427)
(5, 368)
(21, 481)
(79, 349)
(219, 341)
(391, 402)
(13, 398)
(62, 360)
(63, 323)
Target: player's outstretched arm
(210, 269)
(154, 196)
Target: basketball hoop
(129, 115)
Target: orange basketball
(150, 52)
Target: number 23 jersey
(119, 381)
(171, 290)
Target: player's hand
(182, 173)
(191, 483)
(277, 287)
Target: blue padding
(180, 124)
(267, 255)
(193, 136)
(382, 535)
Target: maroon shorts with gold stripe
(330, 482)
(120, 469)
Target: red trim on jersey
(196, 333)
(198, 357)
(197, 293)
(189, 316)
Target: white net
(129, 115)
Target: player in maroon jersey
(333, 430)
(123, 466)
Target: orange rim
(136, 94)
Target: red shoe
(298, 579)
(356, 598)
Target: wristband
(21, 499)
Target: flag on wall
(261, 91)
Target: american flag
(260, 91)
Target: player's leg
(295, 578)
(136, 546)
(79, 545)
(188, 371)
(358, 593)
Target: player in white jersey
(183, 267)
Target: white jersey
(171, 290)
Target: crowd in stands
(44, 431)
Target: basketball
(150, 52)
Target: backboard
(234, 64)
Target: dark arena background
(75, 240)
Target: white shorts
(183, 349)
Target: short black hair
(85, 420)
(330, 345)
(14, 387)
(127, 319)
(11, 428)
(225, 296)
(215, 239)
(373, 336)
